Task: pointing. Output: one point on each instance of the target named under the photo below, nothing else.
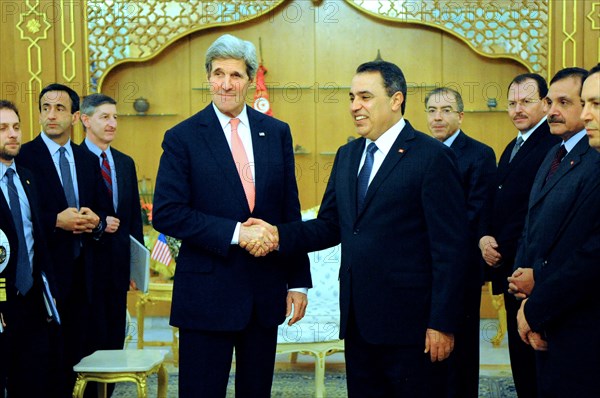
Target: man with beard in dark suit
(517, 168)
(477, 167)
(24, 336)
(99, 119)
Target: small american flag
(161, 252)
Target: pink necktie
(241, 161)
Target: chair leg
(320, 375)
(142, 388)
(140, 308)
(163, 381)
(79, 387)
(102, 390)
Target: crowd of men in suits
(66, 216)
(422, 223)
(533, 219)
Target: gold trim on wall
(33, 26)
(499, 29)
(595, 12)
(138, 31)
(569, 39)
(67, 40)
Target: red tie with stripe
(105, 168)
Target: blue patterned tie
(24, 278)
(365, 174)
(67, 178)
(68, 187)
(516, 148)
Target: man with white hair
(221, 166)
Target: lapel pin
(572, 162)
(261, 134)
(400, 150)
(27, 181)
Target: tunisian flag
(261, 97)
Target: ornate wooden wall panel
(575, 34)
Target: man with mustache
(508, 207)
(73, 213)
(99, 120)
(24, 329)
(477, 167)
(559, 252)
(590, 95)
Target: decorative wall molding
(123, 30)
(594, 17)
(33, 26)
(501, 28)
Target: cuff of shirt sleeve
(235, 239)
(299, 290)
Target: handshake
(258, 237)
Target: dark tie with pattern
(106, 176)
(560, 154)
(516, 148)
(365, 174)
(67, 178)
(24, 278)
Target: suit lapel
(504, 166)
(396, 153)
(214, 138)
(46, 167)
(569, 163)
(260, 146)
(459, 143)
(121, 179)
(356, 153)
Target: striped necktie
(106, 176)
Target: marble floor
(494, 360)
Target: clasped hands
(77, 221)
(258, 237)
(521, 284)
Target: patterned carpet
(300, 384)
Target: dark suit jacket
(129, 213)
(511, 195)
(35, 156)
(41, 259)
(477, 168)
(199, 198)
(561, 242)
(403, 256)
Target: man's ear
(397, 100)
(85, 119)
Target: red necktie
(105, 168)
(241, 161)
(558, 156)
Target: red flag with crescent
(261, 97)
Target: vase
(141, 105)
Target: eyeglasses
(444, 111)
(524, 103)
